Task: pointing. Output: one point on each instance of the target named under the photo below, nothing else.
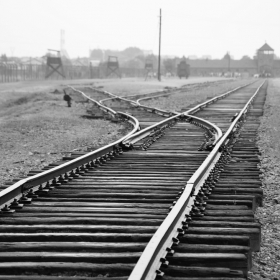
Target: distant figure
(67, 98)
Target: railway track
(129, 105)
(102, 214)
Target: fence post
(14, 73)
(90, 69)
(8, 73)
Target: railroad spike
(25, 200)
(175, 241)
(159, 273)
(188, 217)
(31, 194)
(164, 262)
(48, 186)
(62, 180)
(42, 191)
(185, 225)
(15, 204)
(7, 210)
(73, 174)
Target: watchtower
(53, 65)
(113, 66)
(265, 57)
(149, 68)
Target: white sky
(189, 27)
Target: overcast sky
(189, 27)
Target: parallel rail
(154, 255)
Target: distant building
(263, 62)
(192, 57)
(80, 61)
(206, 56)
(32, 60)
(147, 52)
(95, 63)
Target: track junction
(175, 198)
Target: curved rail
(156, 110)
(19, 187)
(161, 112)
(216, 131)
(171, 115)
(137, 104)
(191, 111)
(132, 103)
(148, 266)
(98, 104)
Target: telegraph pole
(159, 45)
(229, 62)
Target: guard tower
(265, 57)
(54, 64)
(149, 69)
(113, 66)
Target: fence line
(23, 72)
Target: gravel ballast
(266, 263)
(37, 128)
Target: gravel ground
(266, 263)
(38, 128)
(139, 86)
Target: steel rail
(97, 103)
(138, 136)
(119, 98)
(148, 265)
(148, 109)
(162, 112)
(136, 104)
(133, 138)
(197, 175)
(128, 117)
(172, 115)
(214, 99)
(142, 95)
(146, 132)
(191, 111)
(156, 110)
(19, 187)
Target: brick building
(263, 62)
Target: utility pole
(229, 62)
(159, 45)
